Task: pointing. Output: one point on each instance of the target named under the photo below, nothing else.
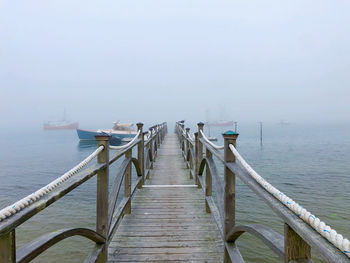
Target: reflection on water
(93, 144)
(87, 144)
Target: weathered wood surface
(167, 224)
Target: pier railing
(109, 212)
(302, 230)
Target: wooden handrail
(108, 216)
(298, 238)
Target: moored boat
(120, 132)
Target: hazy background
(257, 60)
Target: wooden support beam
(230, 137)
(8, 247)
(208, 181)
(295, 248)
(127, 183)
(196, 162)
(102, 193)
(140, 154)
(151, 147)
(199, 154)
(187, 144)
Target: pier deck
(168, 221)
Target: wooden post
(127, 183)
(295, 248)
(196, 165)
(230, 137)
(102, 187)
(161, 133)
(200, 146)
(8, 247)
(157, 137)
(187, 143)
(151, 147)
(102, 193)
(181, 135)
(140, 154)
(208, 181)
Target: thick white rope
(217, 147)
(125, 145)
(326, 231)
(28, 200)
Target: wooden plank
(166, 250)
(165, 257)
(155, 242)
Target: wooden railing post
(196, 165)
(230, 137)
(181, 135)
(8, 247)
(199, 147)
(187, 143)
(208, 181)
(140, 154)
(295, 248)
(157, 135)
(102, 192)
(159, 140)
(151, 146)
(127, 183)
(161, 133)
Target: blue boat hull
(85, 135)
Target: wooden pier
(160, 206)
(168, 219)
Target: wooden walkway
(168, 222)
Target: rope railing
(125, 145)
(325, 230)
(299, 236)
(30, 199)
(217, 147)
(16, 214)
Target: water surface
(307, 162)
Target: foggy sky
(165, 60)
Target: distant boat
(61, 124)
(221, 123)
(120, 132)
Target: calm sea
(310, 163)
